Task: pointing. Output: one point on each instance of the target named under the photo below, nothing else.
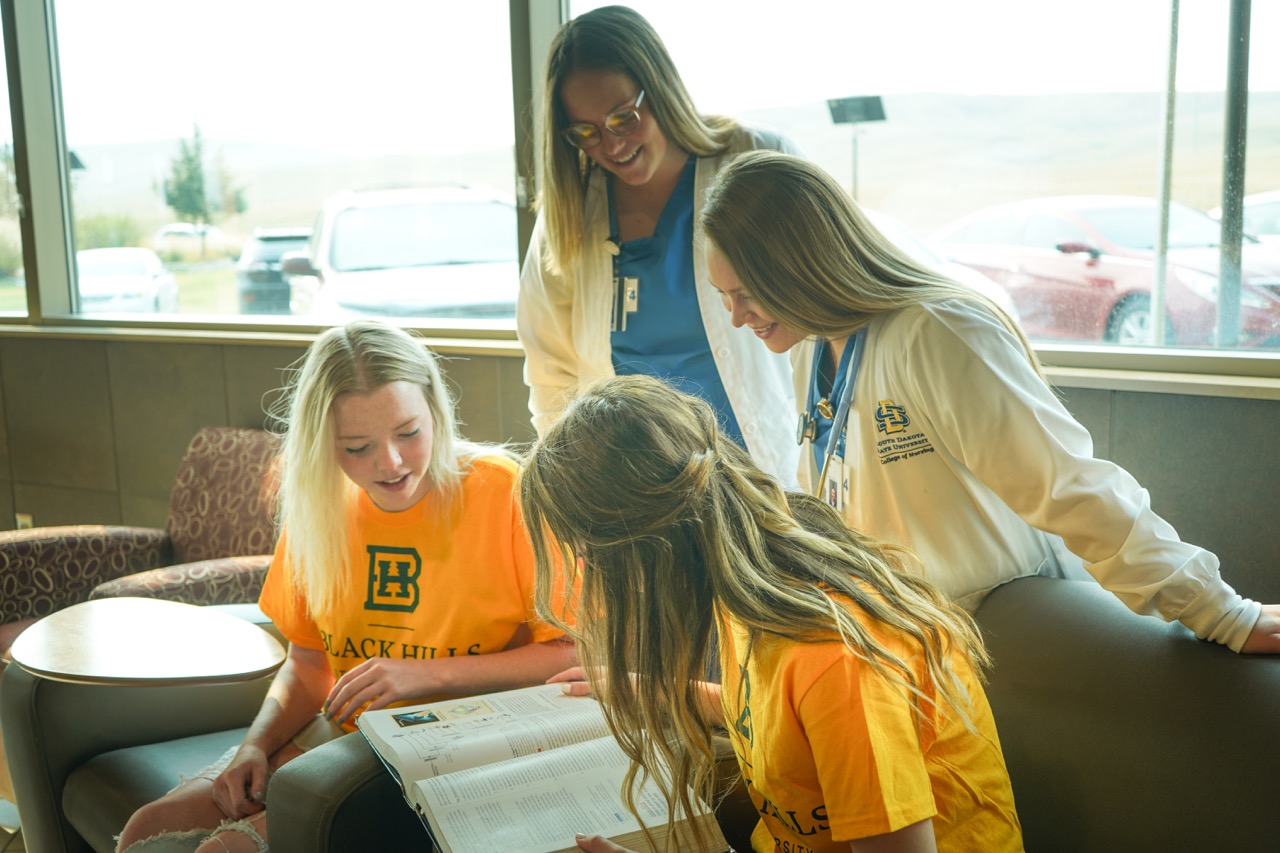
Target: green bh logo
(393, 578)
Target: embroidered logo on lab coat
(898, 444)
(891, 418)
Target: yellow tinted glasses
(621, 122)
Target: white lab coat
(957, 450)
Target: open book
(520, 772)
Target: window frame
(43, 183)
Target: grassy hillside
(936, 157)
(933, 159)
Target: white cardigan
(563, 324)
(957, 450)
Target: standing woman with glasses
(613, 282)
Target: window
(1003, 102)
(13, 292)
(205, 130)
(998, 102)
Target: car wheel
(1130, 323)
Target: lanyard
(626, 290)
(841, 414)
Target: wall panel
(161, 395)
(57, 404)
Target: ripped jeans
(243, 835)
(191, 840)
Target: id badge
(617, 315)
(626, 300)
(630, 295)
(835, 490)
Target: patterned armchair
(215, 547)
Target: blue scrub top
(665, 337)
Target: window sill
(1159, 382)
(469, 340)
(1150, 371)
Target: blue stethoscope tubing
(846, 398)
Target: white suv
(429, 252)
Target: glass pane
(218, 143)
(994, 110)
(13, 285)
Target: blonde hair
(811, 259)
(617, 39)
(316, 498)
(675, 527)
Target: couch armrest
(52, 727)
(49, 568)
(340, 798)
(227, 580)
(1123, 732)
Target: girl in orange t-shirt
(851, 690)
(403, 573)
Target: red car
(1081, 268)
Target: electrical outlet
(23, 520)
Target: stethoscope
(808, 421)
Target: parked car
(260, 286)
(124, 280)
(186, 238)
(1261, 216)
(1082, 268)
(429, 252)
(909, 242)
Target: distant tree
(184, 190)
(229, 200)
(9, 205)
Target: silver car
(125, 280)
(428, 252)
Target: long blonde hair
(316, 498)
(810, 257)
(676, 527)
(618, 39)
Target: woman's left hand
(1265, 637)
(377, 683)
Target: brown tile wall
(92, 431)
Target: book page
(535, 804)
(433, 739)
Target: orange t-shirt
(830, 751)
(425, 583)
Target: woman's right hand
(241, 789)
(574, 680)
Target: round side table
(145, 641)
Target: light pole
(854, 111)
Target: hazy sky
(847, 47)
(433, 77)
